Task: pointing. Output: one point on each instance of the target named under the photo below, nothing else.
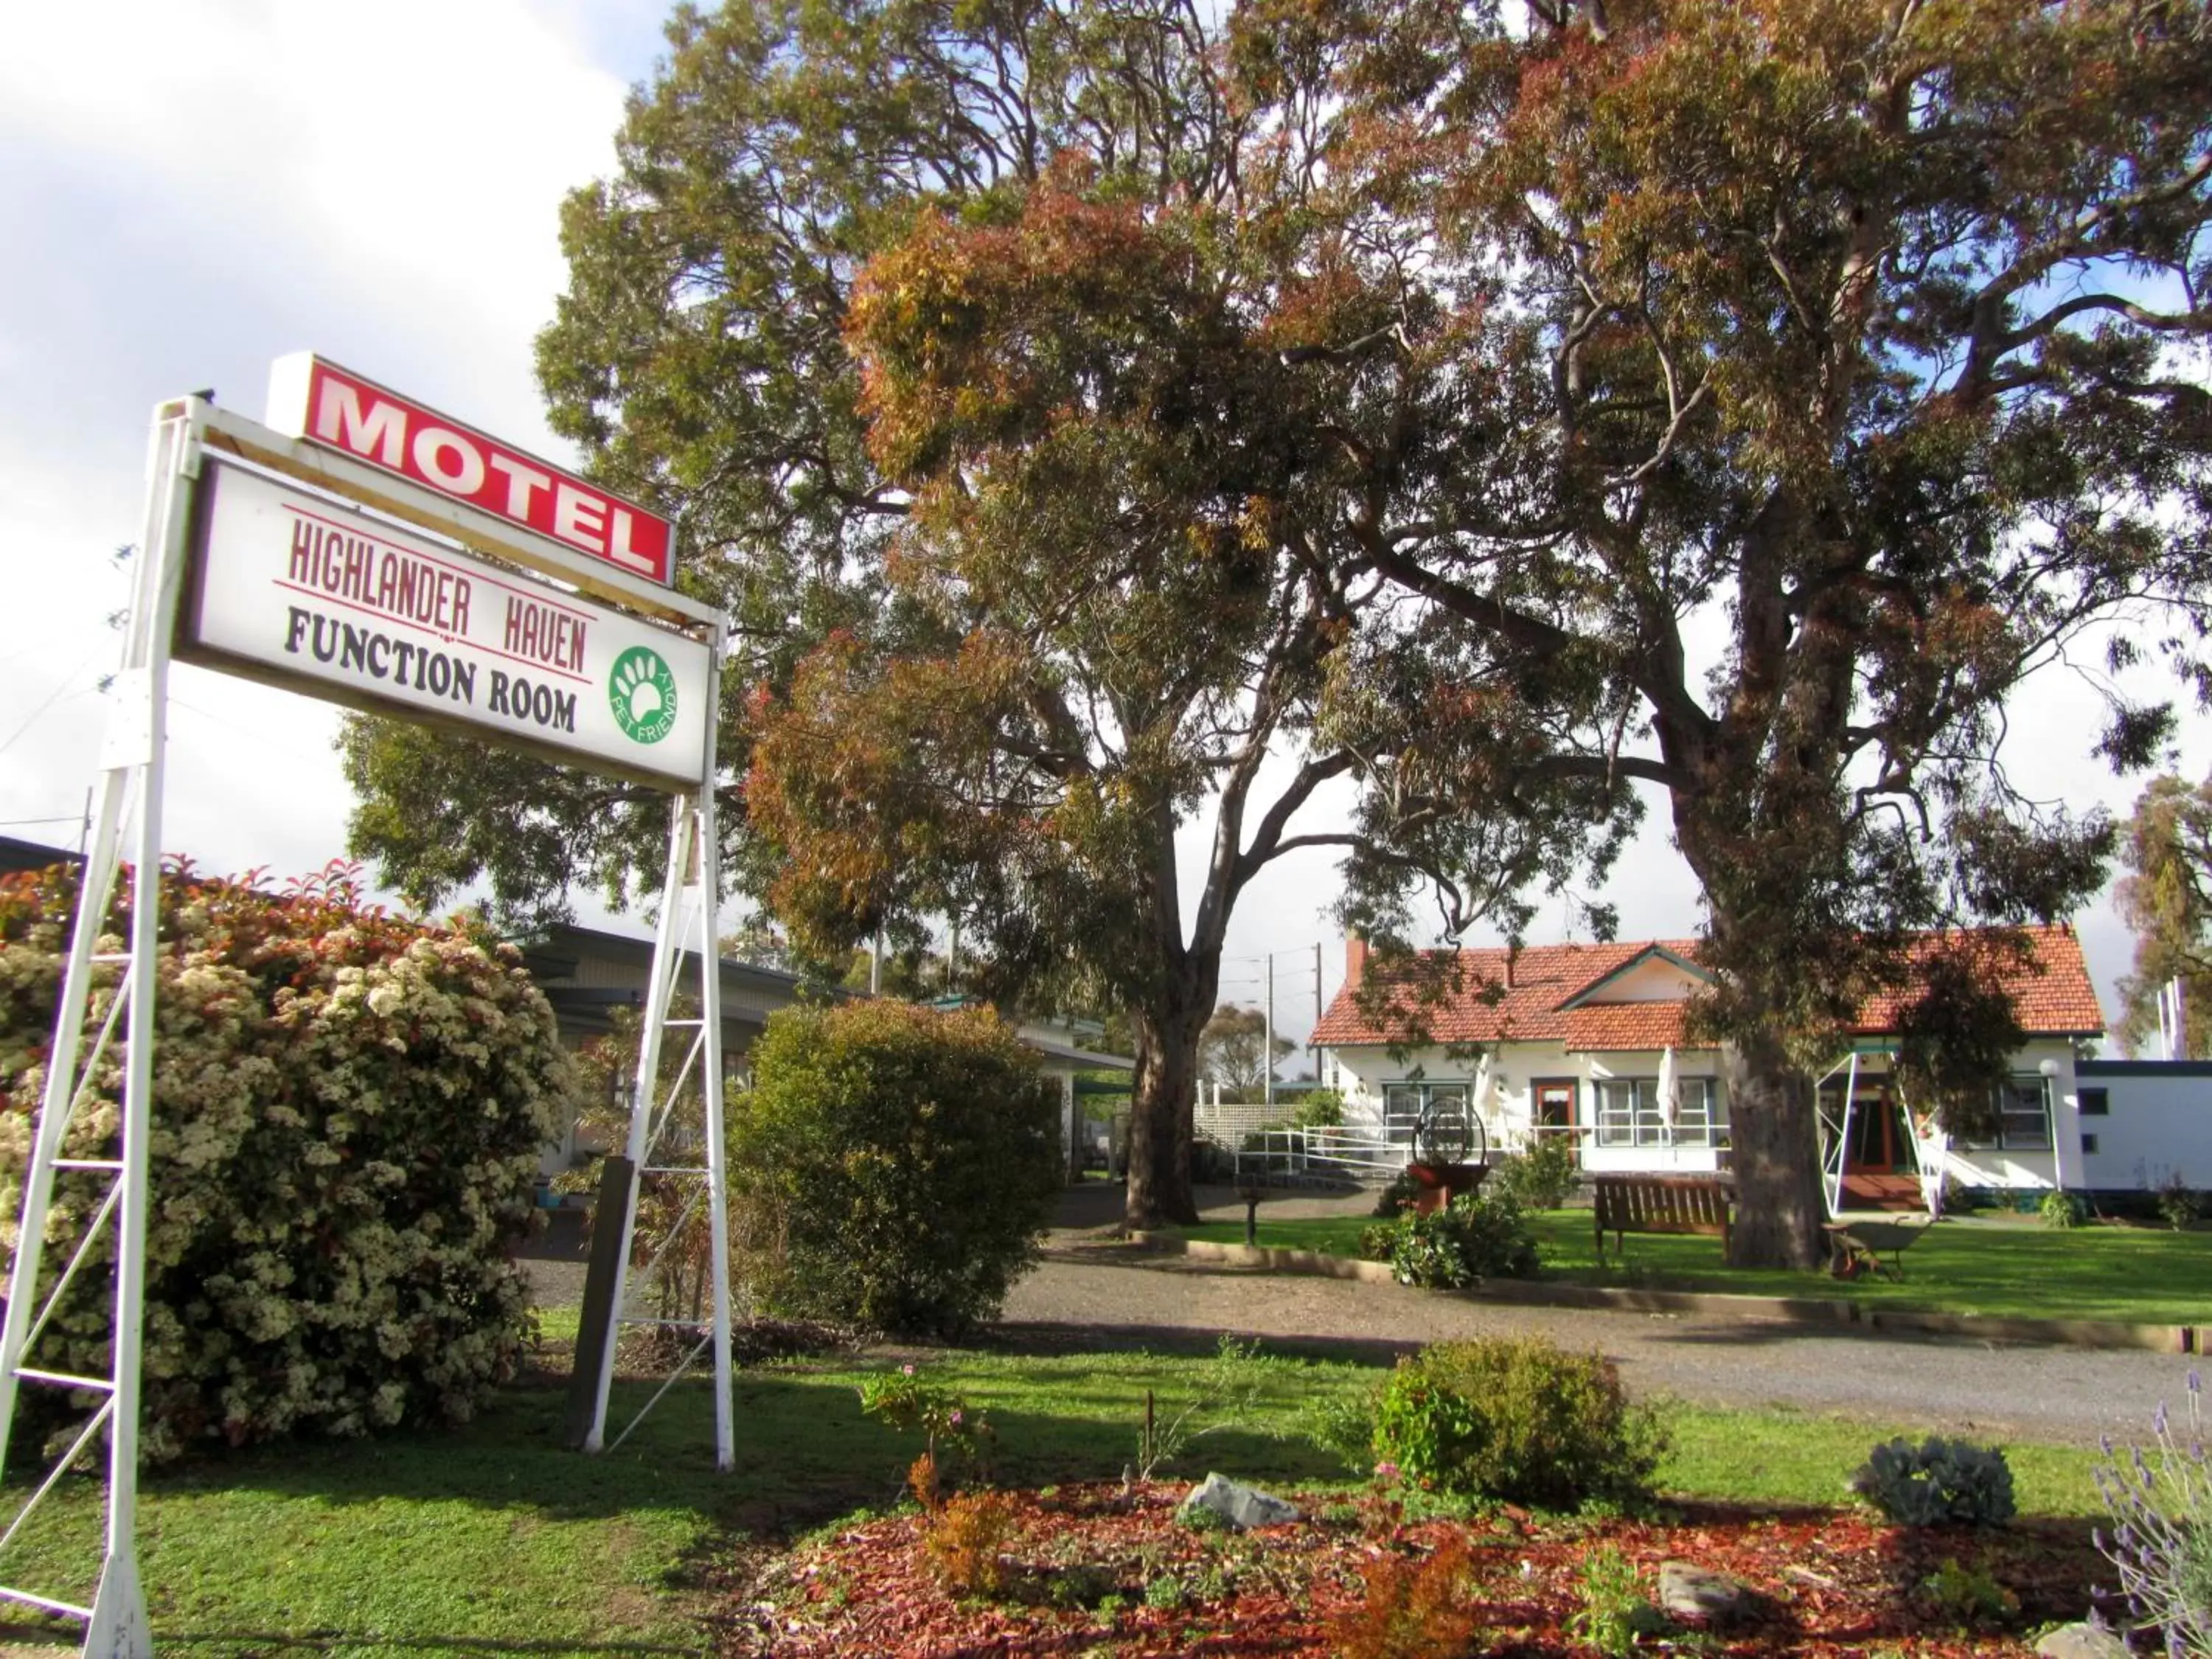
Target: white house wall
(2155, 1124)
(2031, 1171)
(1361, 1074)
(2159, 1125)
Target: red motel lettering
(357, 417)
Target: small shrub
(1520, 1418)
(1318, 1109)
(2180, 1205)
(1940, 1482)
(2060, 1209)
(1968, 1596)
(1411, 1610)
(2161, 1541)
(1539, 1177)
(1477, 1235)
(964, 1540)
(905, 1400)
(1396, 1198)
(1165, 1594)
(906, 1161)
(1613, 1614)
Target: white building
(1586, 1042)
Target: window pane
(2024, 1124)
(1616, 1113)
(1694, 1112)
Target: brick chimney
(1512, 957)
(1355, 961)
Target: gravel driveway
(1092, 1292)
(1089, 1291)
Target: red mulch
(1827, 1583)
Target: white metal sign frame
(130, 821)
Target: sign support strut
(690, 1150)
(130, 801)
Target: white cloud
(230, 183)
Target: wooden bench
(1662, 1204)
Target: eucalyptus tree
(1774, 387)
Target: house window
(1403, 1103)
(2096, 1102)
(2089, 1146)
(1629, 1115)
(2023, 1117)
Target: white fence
(1227, 1122)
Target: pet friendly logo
(642, 691)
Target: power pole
(1313, 1040)
(1267, 1040)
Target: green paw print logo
(642, 691)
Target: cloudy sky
(242, 179)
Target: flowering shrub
(348, 1114)
(2161, 1538)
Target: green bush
(2060, 1209)
(892, 1166)
(1477, 1235)
(1318, 1109)
(349, 1112)
(2180, 1205)
(1395, 1198)
(1539, 1177)
(1518, 1418)
(1938, 1482)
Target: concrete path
(1089, 1291)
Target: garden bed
(1099, 1568)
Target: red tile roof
(1626, 1025)
(2052, 997)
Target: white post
(710, 1011)
(115, 1623)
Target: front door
(1880, 1168)
(1555, 1111)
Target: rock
(1240, 1506)
(2082, 1641)
(1688, 1592)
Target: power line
(59, 818)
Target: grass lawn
(494, 1535)
(1967, 1264)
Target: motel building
(1587, 1044)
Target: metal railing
(1355, 1155)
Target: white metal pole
(664, 942)
(117, 1628)
(710, 1011)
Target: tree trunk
(1776, 1140)
(1160, 1125)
